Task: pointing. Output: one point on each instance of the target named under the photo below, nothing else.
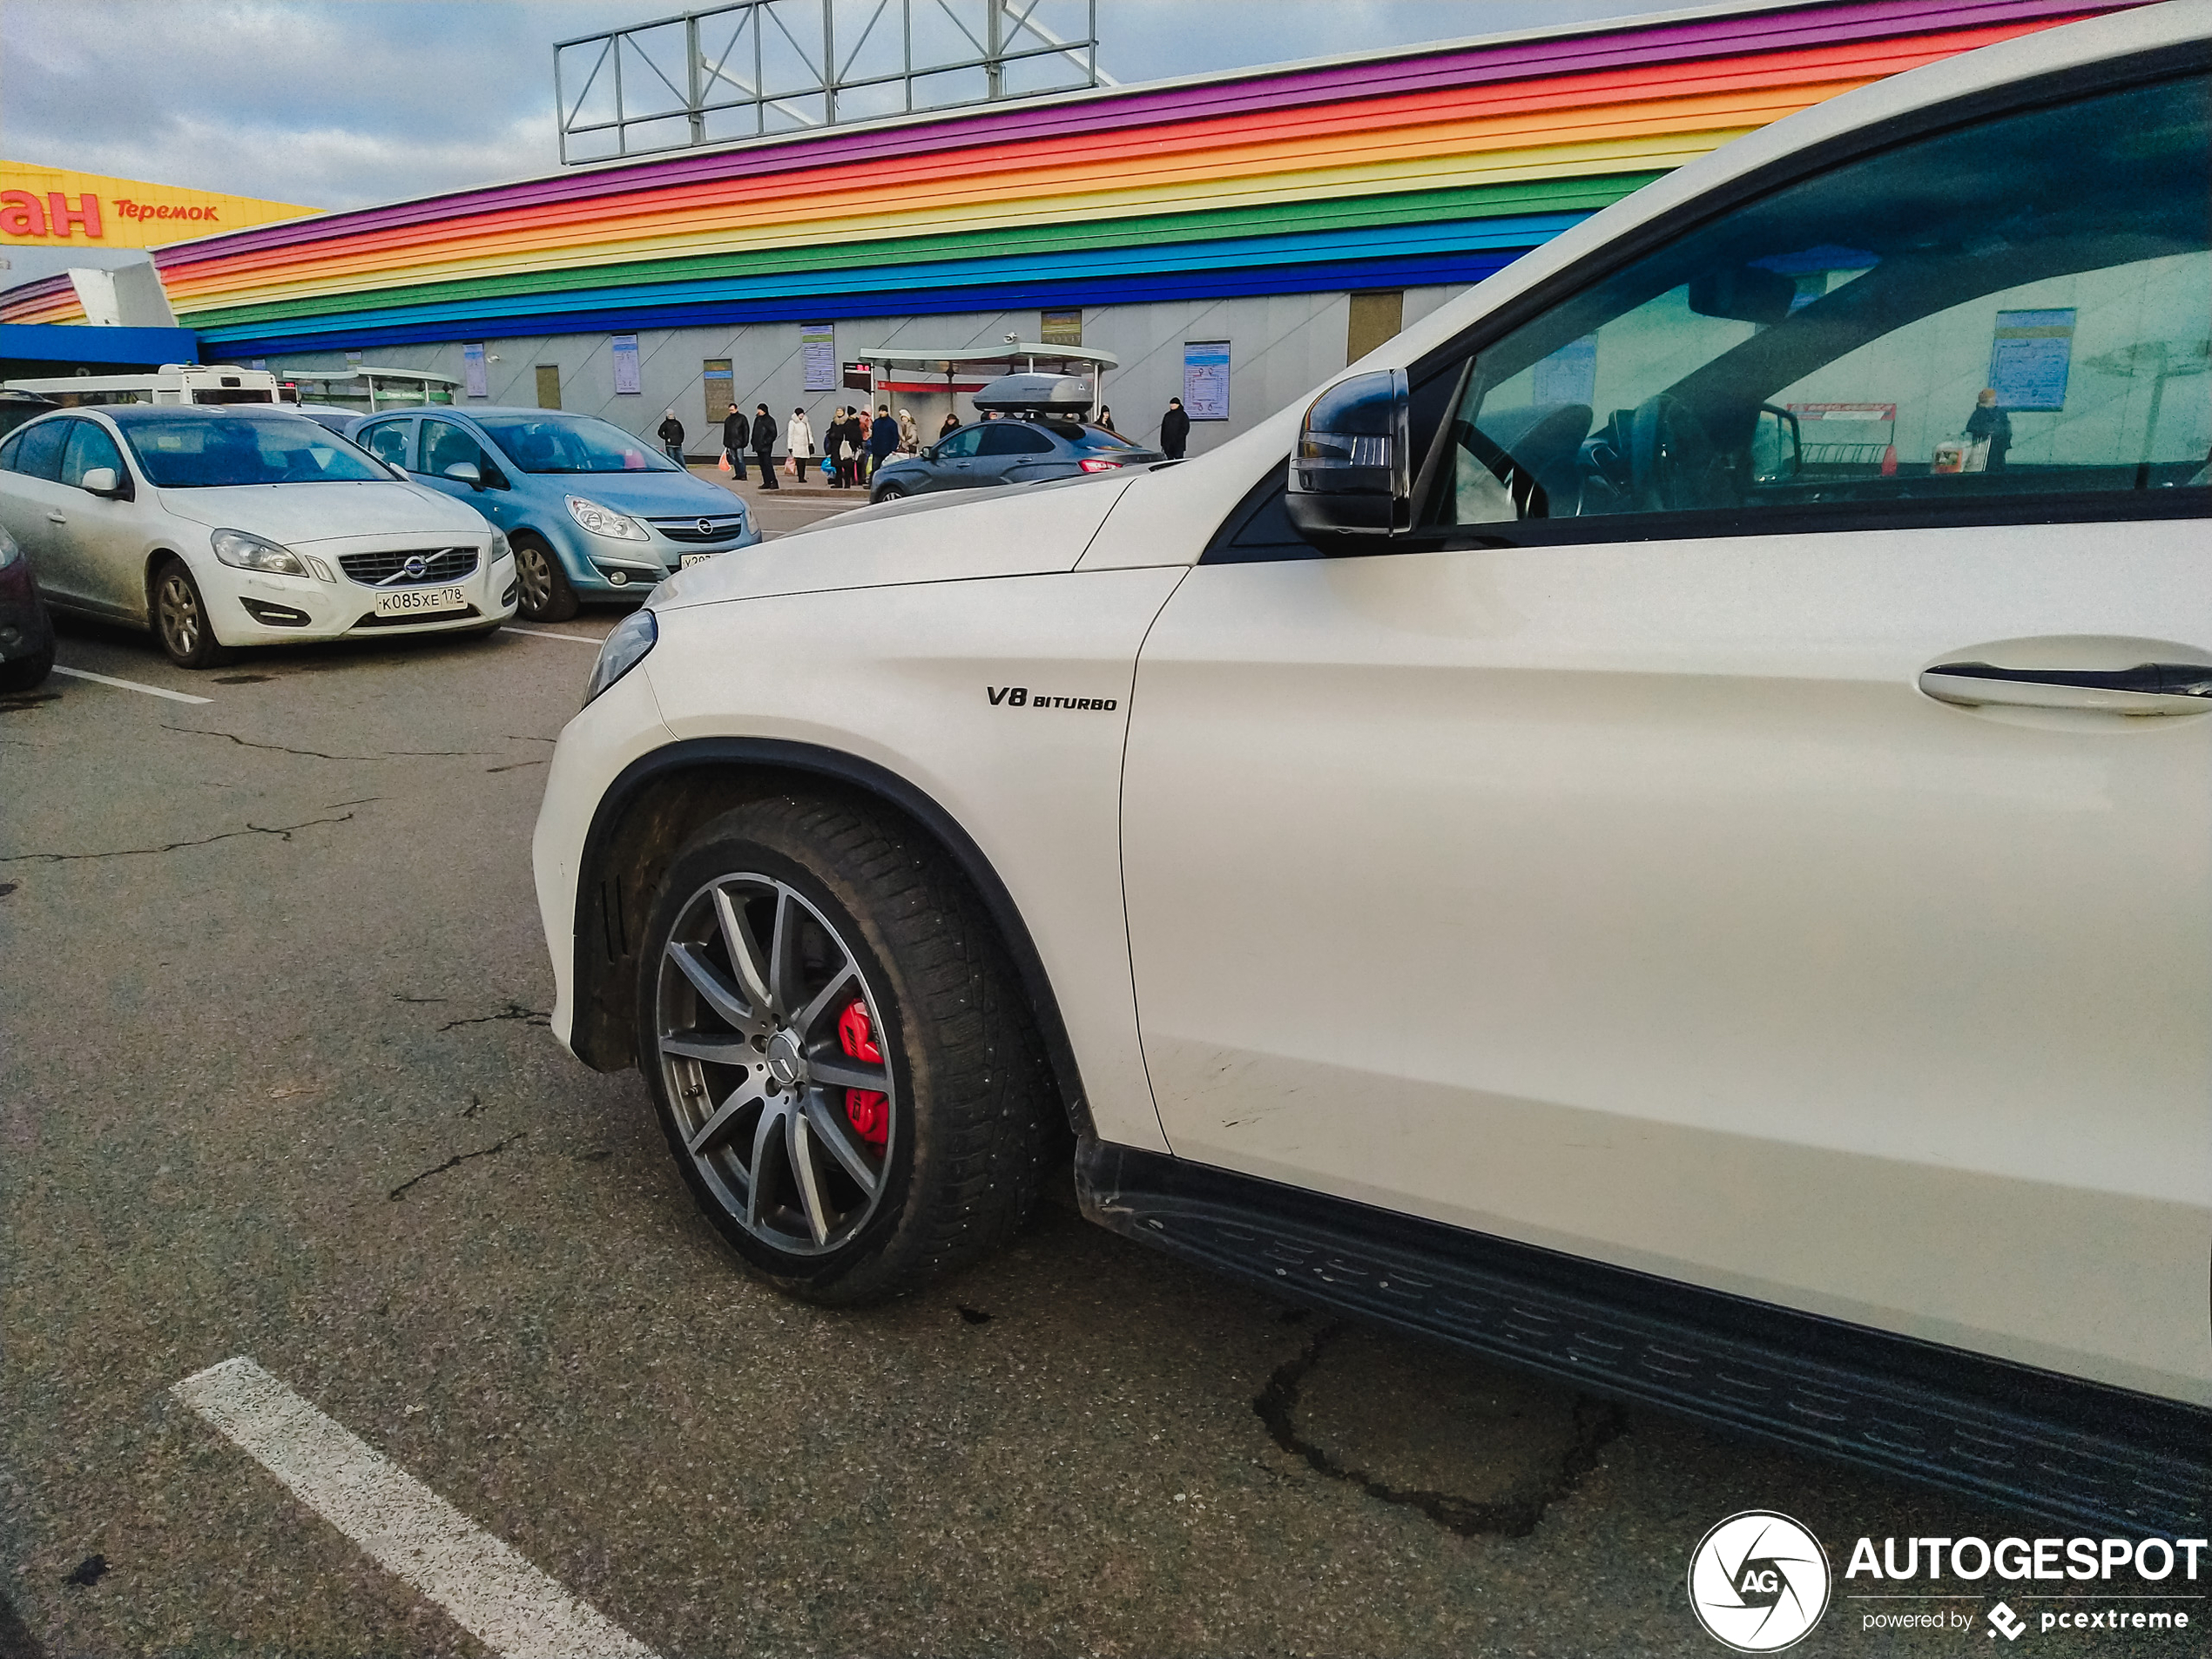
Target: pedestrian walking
(951, 425)
(799, 445)
(909, 434)
(1174, 430)
(764, 445)
(737, 438)
(883, 440)
(671, 437)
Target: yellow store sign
(53, 206)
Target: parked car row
(242, 525)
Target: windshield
(211, 452)
(572, 443)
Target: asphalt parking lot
(275, 1083)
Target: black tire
(546, 595)
(891, 492)
(973, 1118)
(181, 619)
(26, 671)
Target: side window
(962, 443)
(1014, 438)
(387, 442)
(90, 447)
(38, 449)
(445, 445)
(2018, 307)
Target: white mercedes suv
(1659, 829)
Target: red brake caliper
(867, 1108)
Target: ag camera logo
(1758, 1582)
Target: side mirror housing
(1777, 448)
(101, 481)
(1352, 472)
(465, 472)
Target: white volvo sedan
(235, 525)
(1659, 829)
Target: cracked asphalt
(274, 1083)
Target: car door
(100, 542)
(1609, 871)
(1008, 448)
(33, 504)
(952, 464)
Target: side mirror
(1777, 448)
(101, 481)
(1352, 472)
(465, 472)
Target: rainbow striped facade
(1432, 166)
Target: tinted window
(90, 447)
(961, 444)
(1092, 437)
(572, 443)
(216, 451)
(447, 445)
(2015, 307)
(38, 449)
(1012, 438)
(386, 442)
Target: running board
(2081, 1452)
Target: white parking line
(130, 685)
(539, 633)
(489, 1589)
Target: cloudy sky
(343, 102)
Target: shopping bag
(726, 467)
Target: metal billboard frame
(711, 86)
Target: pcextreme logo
(1758, 1582)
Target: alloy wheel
(770, 1049)
(178, 607)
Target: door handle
(2147, 688)
(56, 518)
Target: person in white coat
(799, 443)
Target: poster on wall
(626, 381)
(714, 376)
(473, 377)
(2030, 357)
(818, 355)
(1205, 379)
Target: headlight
(8, 551)
(604, 521)
(498, 549)
(248, 552)
(624, 649)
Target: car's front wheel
(890, 492)
(181, 619)
(844, 1064)
(545, 595)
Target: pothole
(1475, 1447)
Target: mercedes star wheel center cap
(785, 1064)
